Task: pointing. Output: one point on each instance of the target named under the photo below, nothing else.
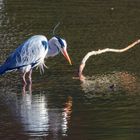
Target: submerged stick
(83, 62)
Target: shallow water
(106, 105)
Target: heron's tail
(2, 69)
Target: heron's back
(31, 52)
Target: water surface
(106, 105)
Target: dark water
(106, 106)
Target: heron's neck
(53, 50)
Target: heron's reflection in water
(105, 84)
(33, 112)
(39, 119)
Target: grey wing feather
(29, 53)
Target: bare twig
(83, 62)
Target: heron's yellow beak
(64, 52)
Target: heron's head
(62, 46)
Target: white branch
(83, 63)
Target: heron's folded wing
(29, 53)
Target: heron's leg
(30, 76)
(24, 78)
